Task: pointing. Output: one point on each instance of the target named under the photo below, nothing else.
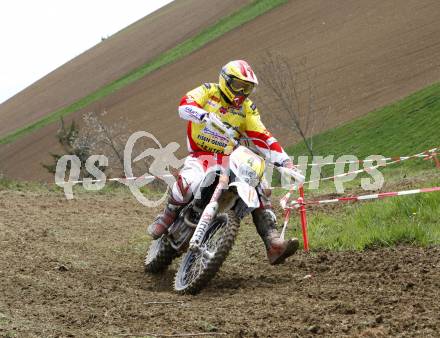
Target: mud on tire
(196, 270)
(160, 255)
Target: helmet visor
(241, 86)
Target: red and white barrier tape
(301, 204)
(386, 159)
(296, 204)
(120, 179)
(429, 154)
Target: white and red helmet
(237, 81)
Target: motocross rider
(228, 102)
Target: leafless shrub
(289, 94)
(67, 137)
(97, 137)
(109, 139)
(105, 139)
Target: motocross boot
(163, 221)
(277, 248)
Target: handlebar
(296, 174)
(214, 121)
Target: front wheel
(198, 268)
(160, 255)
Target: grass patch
(3, 319)
(224, 25)
(9, 184)
(110, 189)
(413, 220)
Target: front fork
(209, 213)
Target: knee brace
(181, 192)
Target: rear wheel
(160, 255)
(199, 267)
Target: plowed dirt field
(362, 55)
(113, 58)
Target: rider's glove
(288, 164)
(293, 171)
(204, 118)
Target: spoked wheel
(160, 255)
(199, 267)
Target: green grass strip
(224, 25)
(409, 126)
(413, 220)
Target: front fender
(247, 193)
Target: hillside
(365, 54)
(74, 267)
(406, 127)
(112, 58)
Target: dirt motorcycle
(206, 228)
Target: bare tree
(67, 137)
(103, 138)
(98, 137)
(291, 89)
(109, 140)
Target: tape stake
(302, 211)
(436, 160)
(286, 222)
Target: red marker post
(437, 161)
(302, 211)
(432, 155)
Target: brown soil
(112, 59)
(74, 268)
(365, 54)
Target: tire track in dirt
(74, 268)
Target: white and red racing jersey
(246, 119)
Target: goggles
(241, 86)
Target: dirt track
(74, 268)
(365, 54)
